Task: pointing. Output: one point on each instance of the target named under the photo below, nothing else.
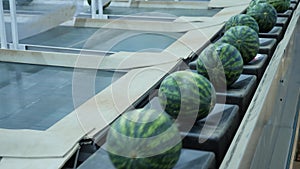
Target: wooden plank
(227, 3)
(170, 4)
(117, 61)
(159, 26)
(193, 41)
(36, 163)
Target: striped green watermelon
(144, 138)
(186, 95)
(242, 20)
(245, 39)
(105, 6)
(280, 5)
(222, 63)
(264, 14)
(254, 2)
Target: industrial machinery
(69, 68)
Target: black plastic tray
(287, 13)
(223, 131)
(192, 159)
(257, 66)
(282, 21)
(240, 93)
(267, 46)
(276, 33)
(293, 6)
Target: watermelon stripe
(230, 61)
(280, 5)
(244, 39)
(242, 20)
(154, 122)
(264, 14)
(143, 124)
(195, 85)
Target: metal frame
(3, 29)
(97, 5)
(66, 12)
(14, 25)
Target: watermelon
(143, 138)
(186, 95)
(222, 63)
(254, 2)
(264, 14)
(245, 39)
(242, 20)
(105, 5)
(280, 5)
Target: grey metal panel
(291, 81)
(273, 151)
(259, 161)
(274, 148)
(281, 152)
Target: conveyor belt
(36, 97)
(113, 40)
(160, 11)
(257, 68)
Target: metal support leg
(129, 3)
(100, 9)
(97, 5)
(14, 25)
(93, 8)
(3, 30)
